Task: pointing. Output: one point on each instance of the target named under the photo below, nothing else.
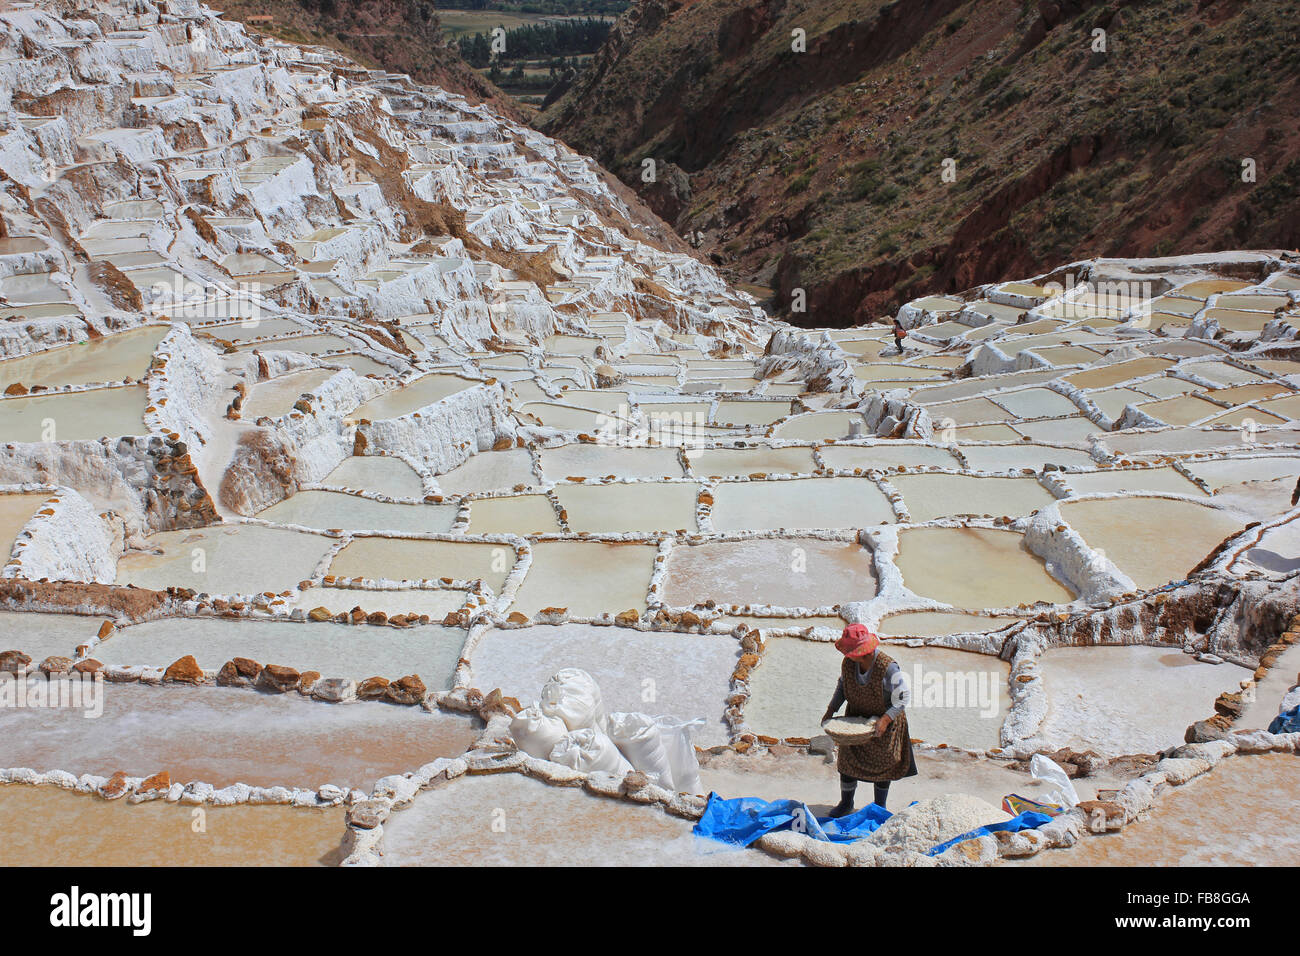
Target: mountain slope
(823, 170)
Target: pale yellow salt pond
(46, 826)
(794, 572)
(334, 650)
(939, 624)
(490, 471)
(223, 735)
(225, 559)
(413, 559)
(1228, 817)
(975, 568)
(632, 506)
(509, 820)
(15, 511)
(1134, 533)
(587, 577)
(277, 396)
(1023, 455)
(379, 473)
(515, 514)
(409, 398)
(738, 462)
(336, 509)
(799, 503)
(586, 460)
(930, 496)
(1131, 481)
(109, 359)
(885, 455)
(75, 416)
(958, 698)
(817, 425)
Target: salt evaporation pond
(975, 568)
(510, 820)
(958, 698)
(794, 572)
(15, 511)
(799, 503)
(435, 602)
(602, 461)
(631, 506)
(1134, 534)
(1124, 700)
(936, 496)
(514, 514)
(739, 462)
(409, 398)
(334, 509)
(413, 559)
(587, 577)
(490, 471)
(221, 736)
(44, 635)
(334, 650)
(685, 675)
(277, 396)
(75, 416)
(377, 473)
(84, 831)
(225, 559)
(109, 359)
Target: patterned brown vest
(883, 758)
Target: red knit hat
(857, 642)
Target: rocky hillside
(1067, 129)
(402, 36)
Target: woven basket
(850, 730)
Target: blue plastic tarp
(1029, 820)
(743, 820)
(1287, 722)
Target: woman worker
(873, 685)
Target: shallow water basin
(799, 503)
(75, 416)
(587, 577)
(793, 572)
(335, 509)
(635, 506)
(975, 568)
(930, 496)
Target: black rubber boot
(843, 808)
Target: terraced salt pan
(1231, 471)
(515, 514)
(222, 736)
(309, 344)
(968, 411)
(402, 401)
(1023, 455)
(435, 602)
(1124, 700)
(938, 624)
(1036, 403)
(794, 572)
(277, 396)
(799, 503)
(413, 559)
(75, 416)
(557, 415)
(885, 455)
(1131, 481)
(1076, 430)
(635, 506)
(1229, 817)
(335, 509)
(41, 635)
(599, 461)
(790, 689)
(975, 568)
(334, 650)
(930, 496)
(378, 473)
(817, 425)
(15, 512)
(84, 831)
(658, 672)
(109, 359)
(1134, 533)
(490, 471)
(587, 577)
(460, 825)
(225, 559)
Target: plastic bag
(1049, 772)
(573, 696)
(536, 733)
(676, 736)
(588, 750)
(637, 737)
